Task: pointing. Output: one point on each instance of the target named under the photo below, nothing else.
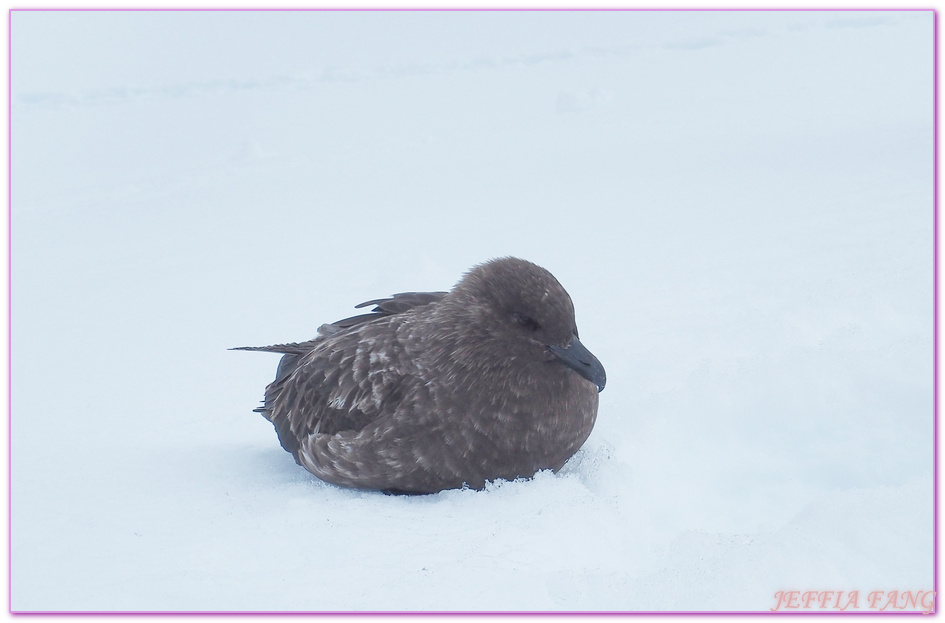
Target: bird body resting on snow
(440, 390)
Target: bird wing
(396, 304)
(345, 377)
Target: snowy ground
(740, 205)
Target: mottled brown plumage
(437, 390)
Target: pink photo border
(935, 307)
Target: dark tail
(292, 348)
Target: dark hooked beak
(575, 356)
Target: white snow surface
(739, 203)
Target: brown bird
(441, 390)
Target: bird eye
(526, 321)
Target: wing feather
(350, 373)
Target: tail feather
(292, 348)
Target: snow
(739, 203)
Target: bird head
(524, 307)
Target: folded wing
(351, 373)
